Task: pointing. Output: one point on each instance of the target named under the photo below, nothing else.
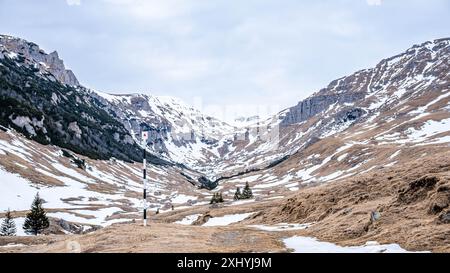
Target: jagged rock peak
(49, 62)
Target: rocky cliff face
(41, 60)
(317, 104)
(416, 63)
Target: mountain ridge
(180, 140)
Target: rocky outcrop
(202, 219)
(45, 62)
(317, 104)
(207, 183)
(417, 190)
(57, 68)
(350, 115)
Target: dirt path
(161, 238)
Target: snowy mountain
(177, 131)
(44, 101)
(374, 118)
(80, 147)
(38, 104)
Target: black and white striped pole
(144, 174)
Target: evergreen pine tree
(247, 192)
(237, 194)
(214, 199)
(36, 219)
(217, 198)
(8, 227)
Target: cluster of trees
(217, 198)
(245, 194)
(35, 222)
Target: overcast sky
(238, 55)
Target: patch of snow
(390, 164)
(429, 129)
(342, 157)
(275, 197)
(312, 245)
(188, 220)
(422, 111)
(72, 173)
(282, 227)
(241, 202)
(226, 219)
(17, 148)
(291, 185)
(332, 176)
(99, 216)
(20, 165)
(250, 178)
(380, 102)
(305, 174)
(12, 55)
(13, 245)
(18, 193)
(395, 154)
(285, 180)
(181, 199)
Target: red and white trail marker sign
(144, 135)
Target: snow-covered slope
(178, 131)
(97, 193)
(396, 111)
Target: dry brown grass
(156, 238)
(411, 209)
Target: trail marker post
(144, 174)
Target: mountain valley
(364, 159)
